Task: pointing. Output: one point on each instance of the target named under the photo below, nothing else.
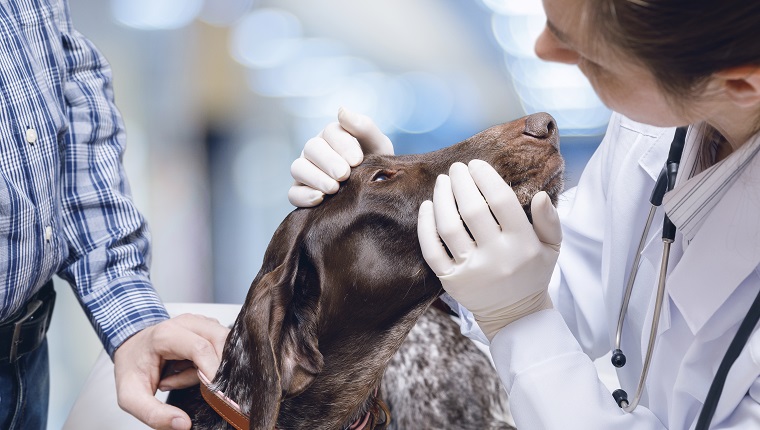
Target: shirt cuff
(122, 308)
(467, 324)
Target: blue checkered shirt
(65, 205)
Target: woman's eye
(382, 175)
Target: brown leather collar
(230, 411)
(223, 405)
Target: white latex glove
(327, 159)
(503, 274)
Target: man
(65, 208)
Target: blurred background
(219, 96)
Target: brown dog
(343, 283)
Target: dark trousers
(24, 391)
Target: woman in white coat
(547, 313)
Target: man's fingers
(138, 362)
(371, 139)
(183, 379)
(139, 400)
(172, 367)
(546, 222)
(195, 338)
(209, 328)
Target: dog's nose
(540, 125)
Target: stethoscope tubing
(665, 182)
(632, 278)
(655, 325)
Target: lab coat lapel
(722, 254)
(709, 290)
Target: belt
(25, 331)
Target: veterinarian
(664, 63)
(65, 209)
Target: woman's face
(620, 82)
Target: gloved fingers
(448, 223)
(473, 208)
(304, 196)
(343, 143)
(501, 198)
(327, 159)
(372, 140)
(306, 173)
(546, 220)
(433, 250)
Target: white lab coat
(548, 370)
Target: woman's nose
(549, 48)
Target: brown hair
(682, 42)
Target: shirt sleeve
(108, 239)
(552, 383)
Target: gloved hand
(503, 274)
(327, 159)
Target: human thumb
(546, 221)
(371, 139)
(155, 413)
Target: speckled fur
(343, 283)
(440, 380)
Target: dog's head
(342, 283)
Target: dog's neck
(344, 391)
(339, 395)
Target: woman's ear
(742, 85)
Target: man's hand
(327, 159)
(138, 363)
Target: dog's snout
(540, 125)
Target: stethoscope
(666, 182)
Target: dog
(439, 379)
(343, 284)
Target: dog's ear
(280, 326)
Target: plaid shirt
(65, 205)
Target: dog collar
(223, 405)
(231, 412)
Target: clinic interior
(219, 96)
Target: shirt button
(31, 135)
(48, 233)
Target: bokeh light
(559, 89)
(430, 104)
(224, 12)
(265, 38)
(155, 14)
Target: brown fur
(343, 283)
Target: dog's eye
(383, 175)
